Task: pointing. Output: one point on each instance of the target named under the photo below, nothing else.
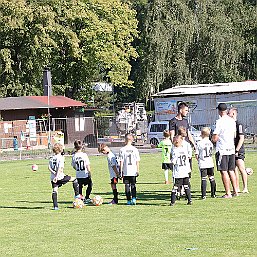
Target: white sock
(166, 173)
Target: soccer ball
(97, 200)
(249, 171)
(34, 167)
(78, 203)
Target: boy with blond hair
(113, 170)
(203, 154)
(181, 168)
(58, 178)
(129, 167)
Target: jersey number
(129, 159)
(182, 160)
(80, 165)
(208, 152)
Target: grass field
(215, 227)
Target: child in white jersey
(58, 178)
(81, 164)
(181, 168)
(129, 167)
(113, 170)
(204, 151)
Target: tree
(82, 41)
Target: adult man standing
(180, 121)
(240, 151)
(223, 136)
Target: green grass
(215, 227)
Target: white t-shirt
(79, 163)
(204, 150)
(180, 161)
(225, 129)
(56, 162)
(129, 155)
(188, 147)
(112, 161)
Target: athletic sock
(188, 194)
(203, 186)
(213, 186)
(75, 187)
(89, 189)
(166, 174)
(115, 195)
(54, 198)
(133, 190)
(127, 191)
(173, 196)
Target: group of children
(127, 168)
(176, 156)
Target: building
(27, 117)
(203, 100)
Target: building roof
(38, 102)
(202, 89)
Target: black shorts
(167, 166)
(114, 180)
(225, 162)
(61, 182)
(181, 181)
(207, 171)
(84, 181)
(241, 155)
(129, 179)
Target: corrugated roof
(37, 102)
(202, 89)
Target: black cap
(222, 107)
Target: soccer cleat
(134, 201)
(87, 201)
(172, 204)
(81, 197)
(203, 197)
(112, 202)
(189, 203)
(213, 196)
(235, 194)
(129, 202)
(55, 209)
(245, 191)
(226, 196)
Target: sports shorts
(61, 182)
(129, 179)
(181, 181)
(167, 166)
(84, 181)
(240, 155)
(207, 171)
(114, 180)
(225, 162)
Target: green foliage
(82, 41)
(188, 42)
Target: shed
(71, 117)
(204, 98)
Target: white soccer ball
(78, 203)
(97, 200)
(249, 171)
(34, 167)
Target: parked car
(156, 128)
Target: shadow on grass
(21, 207)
